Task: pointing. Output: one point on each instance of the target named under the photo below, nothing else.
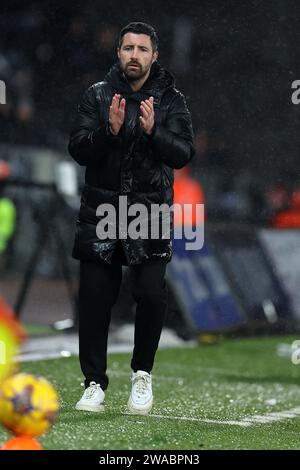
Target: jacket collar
(158, 81)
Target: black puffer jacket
(132, 163)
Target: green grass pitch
(238, 394)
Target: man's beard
(135, 73)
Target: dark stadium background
(234, 61)
(227, 370)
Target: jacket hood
(158, 81)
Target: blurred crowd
(47, 63)
(45, 69)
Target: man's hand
(147, 118)
(116, 114)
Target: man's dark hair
(140, 28)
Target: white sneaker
(141, 398)
(92, 399)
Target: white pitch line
(245, 422)
(203, 420)
(35, 356)
(274, 416)
(284, 414)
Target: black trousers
(98, 291)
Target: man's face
(136, 55)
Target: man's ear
(155, 56)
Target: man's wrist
(151, 134)
(110, 130)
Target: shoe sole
(139, 411)
(95, 409)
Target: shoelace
(141, 384)
(91, 390)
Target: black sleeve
(172, 142)
(89, 140)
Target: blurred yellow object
(8, 217)
(209, 338)
(8, 349)
(11, 335)
(28, 404)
